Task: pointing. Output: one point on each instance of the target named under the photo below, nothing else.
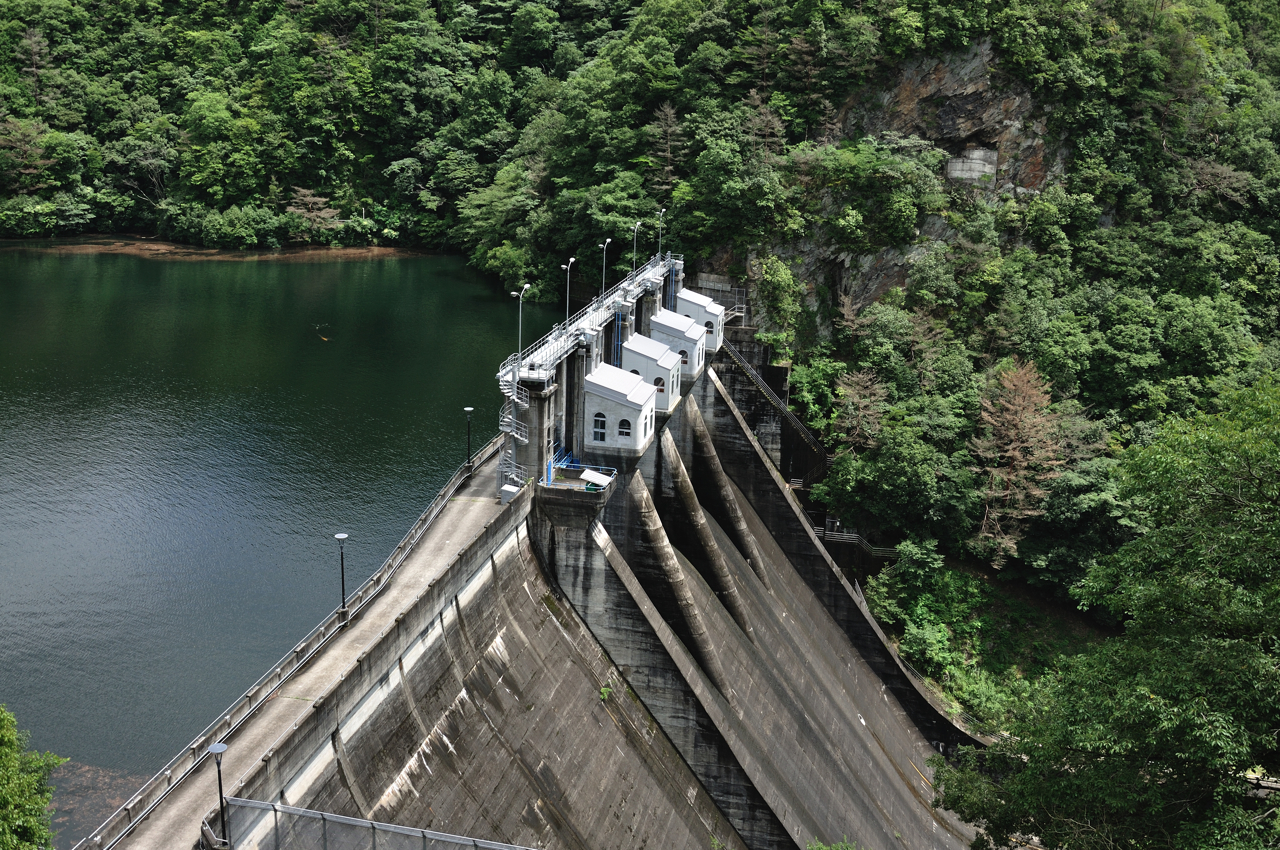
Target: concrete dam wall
(668, 661)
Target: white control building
(658, 365)
(685, 337)
(618, 409)
(705, 312)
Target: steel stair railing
(508, 422)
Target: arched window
(711, 329)
(635, 371)
(660, 384)
(684, 357)
(597, 431)
(624, 427)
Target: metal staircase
(508, 422)
(517, 399)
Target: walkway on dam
(175, 822)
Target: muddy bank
(157, 249)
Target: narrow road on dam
(175, 822)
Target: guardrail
(291, 828)
(576, 483)
(154, 790)
(855, 538)
(538, 361)
(962, 719)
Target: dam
(614, 627)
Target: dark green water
(178, 444)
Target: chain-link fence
(266, 826)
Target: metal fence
(267, 826)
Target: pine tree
(668, 145)
(1021, 451)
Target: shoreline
(157, 249)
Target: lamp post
(661, 213)
(520, 332)
(468, 410)
(604, 261)
(566, 290)
(635, 232)
(342, 571)
(217, 750)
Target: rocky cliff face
(963, 103)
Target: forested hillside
(1057, 378)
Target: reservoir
(179, 442)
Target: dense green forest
(1067, 400)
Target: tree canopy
(1163, 736)
(24, 790)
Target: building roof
(620, 385)
(651, 349)
(677, 325)
(702, 301)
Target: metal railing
(253, 825)
(962, 719)
(538, 361)
(508, 422)
(737, 306)
(519, 395)
(510, 470)
(754, 376)
(154, 790)
(576, 483)
(857, 539)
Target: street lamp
(342, 567)
(217, 750)
(520, 331)
(660, 215)
(635, 232)
(566, 290)
(468, 410)
(604, 260)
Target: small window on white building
(597, 432)
(711, 329)
(684, 357)
(624, 427)
(660, 384)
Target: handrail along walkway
(153, 792)
(538, 361)
(373, 827)
(754, 377)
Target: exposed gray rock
(961, 101)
